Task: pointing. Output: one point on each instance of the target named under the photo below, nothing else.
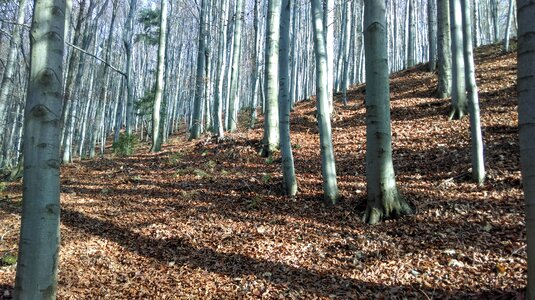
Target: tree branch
(98, 58)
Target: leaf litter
(206, 220)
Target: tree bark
(526, 125)
(384, 200)
(39, 233)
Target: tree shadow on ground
(320, 284)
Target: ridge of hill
(205, 220)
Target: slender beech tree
(271, 116)
(39, 232)
(432, 31)
(160, 81)
(384, 199)
(507, 34)
(411, 32)
(526, 124)
(459, 104)
(444, 49)
(234, 97)
(196, 128)
(328, 29)
(218, 127)
(328, 164)
(346, 36)
(478, 164)
(288, 170)
(130, 80)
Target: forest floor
(206, 220)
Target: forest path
(203, 220)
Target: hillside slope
(203, 220)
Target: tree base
(387, 206)
(457, 113)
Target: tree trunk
(218, 128)
(432, 30)
(271, 118)
(526, 124)
(444, 49)
(508, 27)
(160, 82)
(384, 200)
(39, 233)
(330, 187)
(328, 25)
(411, 43)
(346, 58)
(459, 104)
(288, 170)
(235, 69)
(199, 77)
(128, 43)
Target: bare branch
(98, 58)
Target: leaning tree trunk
(384, 199)
(459, 103)
(328, 164)
(271, 117)
(526, 124)
(39, 232)
(160, 82)
(478, 164)
(199, 76)
(288, 170)
(444, 49)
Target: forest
(276, 149)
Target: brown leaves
(206, 220)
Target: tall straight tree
(199, 77)
(39, 232)
(218, 127)
(459, 104)
(271, 109)
(478, 164)
(411, 32)
(288, 170)
(444, 49)
(526, 124)
(432, 33)
(508, 27)
(328, 164)
(235, 69)
(130, 80)
(384, 199)
(346, 36)
(328, 29)
(160, 82)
